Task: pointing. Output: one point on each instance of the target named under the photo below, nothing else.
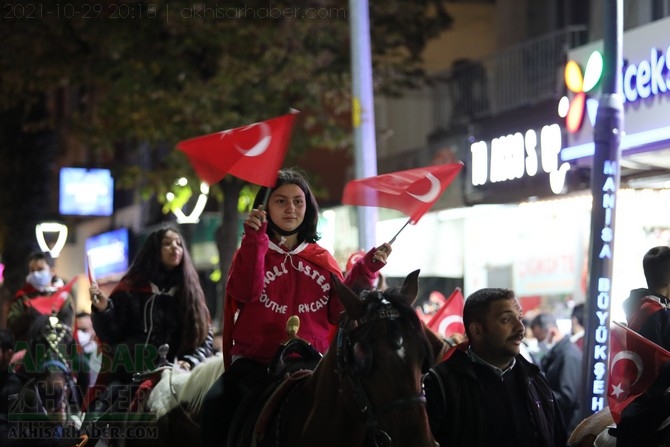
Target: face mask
(86, 341)
(39, 278)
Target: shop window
(500, 276)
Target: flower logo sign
(580, 84)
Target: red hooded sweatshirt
(268, 285)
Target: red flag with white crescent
(448, 320)
(254, 153)
(412, 192)
(634, 365)
(48, 304)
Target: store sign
(515, 156)
(647, 78)
(644, 84)
(601, 306)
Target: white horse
(188, 388)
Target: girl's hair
(147, 266)
(307, 229)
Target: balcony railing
(524, 74)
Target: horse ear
(352, 304)
(410, 288)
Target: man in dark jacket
(486, 393)
(647, 313)
(562, 366)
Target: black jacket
(135, 324)
(647, 313)
(23, 419)
(563, 368)
(456, 404)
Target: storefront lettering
(515, 155)
(649, 77)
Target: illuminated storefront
(537, 164)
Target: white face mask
(39, 278)
(86, 341)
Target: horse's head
(46, 367)
(382, 350)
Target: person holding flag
(647, 314)
(43, 293)
(278, 272)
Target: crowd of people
(495, 388)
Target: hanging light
(194, 216)
(51, 227)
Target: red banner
(48, 304)
(634, 365)
(412, 192)
(254, 153)
(449, 319)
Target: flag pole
(268, 190)
(396, 235)
(266, 197)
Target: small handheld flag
(412, 192)
(90, 267)
(634, 365)
(253, 153)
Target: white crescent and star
(261, 145)
(432, 193)
(633, 357)
(448, 321)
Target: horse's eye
(395, 337)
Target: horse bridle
(383, 310)
(53, 334)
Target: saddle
(293, 362)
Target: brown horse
(366, 390)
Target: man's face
(539, 333)
(499, 339)
(85, 324)
(576, 327)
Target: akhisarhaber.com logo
(580, 84)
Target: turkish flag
(448, 320)
(412, 192)
(634, 365)
(48, 304)
(254, 153)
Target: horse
(164, 409)
(41, 397)
(365, 391)
(175, 401)
(599, 430)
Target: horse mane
(202, 378)
(188, 388)
(407, 315)
(36, 328)
(37, 333)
